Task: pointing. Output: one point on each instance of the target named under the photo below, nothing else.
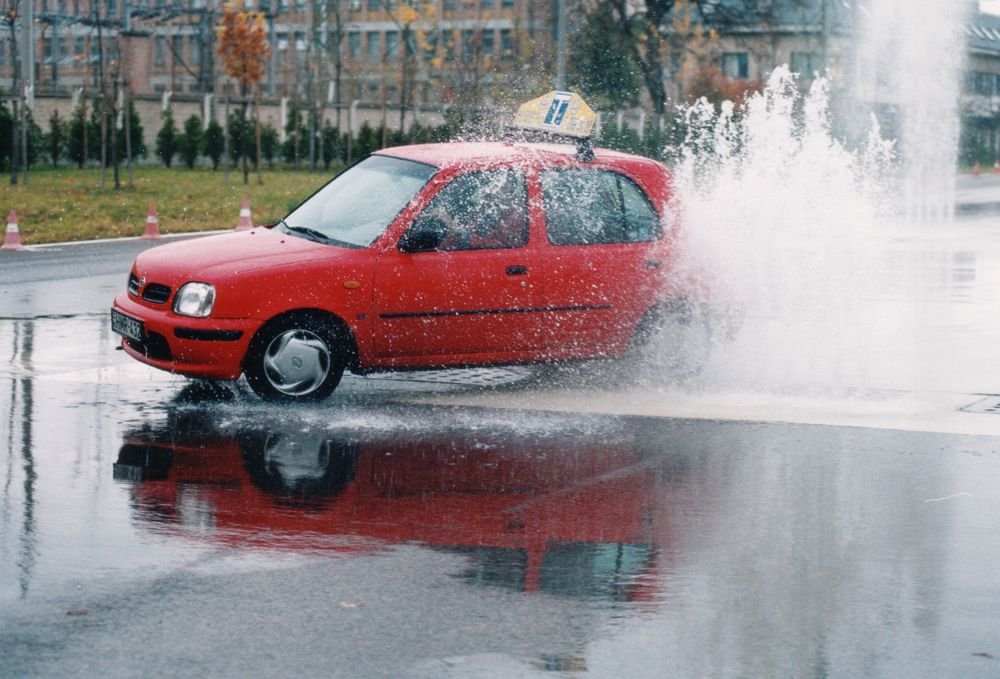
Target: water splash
(787, 220)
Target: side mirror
(425, 235)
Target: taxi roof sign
(559, 112)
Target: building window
(506, 4)
(469, 44)
(488, 43)
(374, 5)
(984, 83)
(449, 5)
(374, 47)
(392, 44)
(736, 65)
(430, 46)
(195, 50)
(806, 64)
(506, 44)
(177, 47)
(61, 46)
(449, 45)
(354, 45)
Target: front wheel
(299, 357)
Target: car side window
(591, 207)
(479, 211)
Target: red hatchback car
(437, 255)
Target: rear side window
(591, 207)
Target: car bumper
(208, 348)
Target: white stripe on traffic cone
(245, 222)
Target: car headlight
(195, 299)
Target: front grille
(133, 285)
(156, 293)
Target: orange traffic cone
(152, 224)
(245, 222)
(976, 169)
(12, 237)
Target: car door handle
(517, 270)
(653, 264)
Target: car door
(602, 268)
(462, 281)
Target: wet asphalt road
(148, 527)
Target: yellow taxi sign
(560, 112)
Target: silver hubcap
(297, 362)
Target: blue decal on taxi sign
(561, 112)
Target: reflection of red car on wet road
(435, 255)
(531, 513)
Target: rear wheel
(299, 357)
(673, 342)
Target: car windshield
(358, 205)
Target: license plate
(126, 326)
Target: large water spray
(798, 229)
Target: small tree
(135, 133)
(215, 142)
(294, 131)
(240, 137)
(367, 141)
(191, 141)
(6, 132)
(36, 139)
(94, 132)
(268, 143)
(77, 143)
(166, 139)
(331, 144)
(56, 137)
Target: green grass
(68, 204)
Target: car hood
(215, 258)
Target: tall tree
(659, 35)
(244, 50)
(603, 69)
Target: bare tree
(11, 17)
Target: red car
(452, 254)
